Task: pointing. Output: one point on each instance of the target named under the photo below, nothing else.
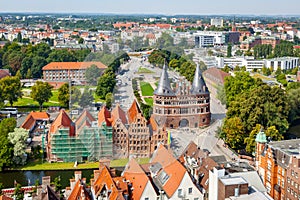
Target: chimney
(77, 175)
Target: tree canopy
(92, 74)
(18, 138)
(41, 92)
(10, 88)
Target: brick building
(187, 106)
(57, 73)
(132, 133)
(252, 41)
(278, 163)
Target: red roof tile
(216, 75)
(104, 116)
(32, 117)
(135, 174)
(133, 111)
(4, 73)
(62, 120)
(72, 65)
(118, 113)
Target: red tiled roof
(32, 117)
(104, 179)
(4, 73)
(118, 113)
(85, 119)
(172, 167)
(135, 174)
(133, 111)
(79, 192)
(215, 75)
(3, 197)
(72, 65)
(104, 116)
(62, 120)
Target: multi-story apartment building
(187, 106)
(278, 164)
(250, 63)
(59, 72)
(252, 41)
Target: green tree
(19, 37)
(202, 66)
(18, 139)
(106, 84)
(28, 74)
(38, 63)
(80, 40)
(293, 97)
(234, 132)
(41, 92)
(6, 151)
(250, 140)
(18, 193)
(11, 89)
(229, 50)
(221, 94)
(64, 95)
(92, 74)
(226, 69)
(108, 100)
(86, 98)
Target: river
(29, 177)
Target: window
(146, 198)
(190, 190)
(179, 191)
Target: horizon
(155, 7)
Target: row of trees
(179, 62)
(284, 48)
(29, 59)
(253, 104)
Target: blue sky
(170, 7)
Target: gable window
(190, 190)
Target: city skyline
(166, 7)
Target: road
(205, 138)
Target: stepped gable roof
(105, 180)
(72, 65)
(133, 111)
(32, 117)
(198, 86)
(153, 123)
(164, 86)
(170, 176)
(104, 116)
(62, 120)
(85, 119)
(79, 192)
(138, 178)
(118, 113)
(215, 75)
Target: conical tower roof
(164, 87)
(199, 86)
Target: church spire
(164, 87)
(199, 86)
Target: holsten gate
(185, 105)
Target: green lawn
(149, 101)
(262, 77)
(146, 89)
(27, 101)
(143, 70)
(55, 96)
(64, 166)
